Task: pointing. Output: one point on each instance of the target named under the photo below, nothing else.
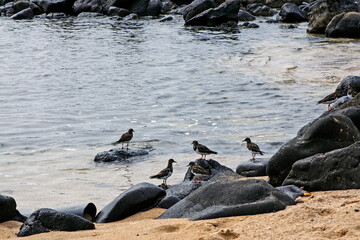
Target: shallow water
(71, 87)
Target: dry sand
(323, 215)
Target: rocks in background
(245, 16)
(344, 25)
(280, 3)
(87, 6)
(24, 14)
(290, 13)
(197, 7)
(258, 9)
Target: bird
(253, 147)
(342, 100)
(329, 99)
(166, 172)
(198, 171)
(202, 150)
(125, 138)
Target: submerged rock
(119, 155)
(335, 170)
(227, 195)
(344, 25)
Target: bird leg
(201, 157)
(195, 180)
(122, 146)
(200, 179)
(127, 146)
(330, 108)
(253, 157)
(204, 157)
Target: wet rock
(131, 16)
(21, 5)
(87, 210)
(168, 202)
(322, 12)
(24, 14)
(280, 3)
(217, 198)
(292, 191)
(290, 13)
(323, 135)
(87, 6)
(56, 6)
(249, 25)
(226, 12)
(183, 189)
(154, 8)
(245, 16)
(121, 12)
(140, 197)
(252, 168)
(197, 7)
(36, 9)
(7, 208)
(118, 155)
(211, 165)
(166, 18)
(182, 2)
(335, 170)
(344, 25)
(45, 220)
(89, 15)
(258, 9)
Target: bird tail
(155, 176)
(261, 153)
(213, 152)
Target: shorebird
(202, 150)
(166, 172)
(198, 171)
(329, 99)
(344, 99)
(125, 138)
(253, 147)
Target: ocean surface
(71, 87)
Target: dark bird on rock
(198, 171)
(166, 172)
(253, 147)
(202, 150)
(125, 138)
(329, 99)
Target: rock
(245, 16)
(183, 189)
(56, 6)
(45, 219)
(24, 14)
(139, 7)
(132, 16)
(335, 170)
(140, 197)
(121, 12)
(258, 9)
(87, 210)
(249, 25)
(21, 5)
(344, 25)
(322, 12)
(280, 3)
(290, 13)
(118, 154)
(154, 8)
(168, 202)
(211, 165)
(89, 15)
(36, 9)
(216, 16)
(292, 191)
(182, 2)
(87, 6)
(7, 208)
(166, 18)
(55, 15)
(197, 7)
(252, 168)
(323, 135)
(217, 198)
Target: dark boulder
(252, 168)
(227, 195)
(323, 11)
(258, 9)
(344, 25)
(21, 5)
(139, 7)
(182, 2)
(245, 16)
(154, 8)
(249, 25)
(140, 197)
(183, 189)
(56, 6)
(168, 201)
(7, 208)
(89, 15)
(211, 165)
(45, 220)
(24, 14)
(323, 135)
(290, 13)
(226, 12)
(279, 3)
(87, 210)
(292, 191)
(121, 12)
(87, 6)
(197, 7)
(335, 170)
(119, 155)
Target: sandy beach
(323, 215)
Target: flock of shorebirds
(196, 169)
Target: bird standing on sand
(202, 150)
(254, 148)
(166, 172)
(125, 138)
(198, 171)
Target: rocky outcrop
(217, 198)
(7, 208)
(279, 3)
(323, 11)
(56, 6)
(290, 13)
(197, 7)
(211, 166)
(252, 168)
(140, 197)
(45, 220)
(118, 155)
(24, 14)
(224, 13)
(327, 133)
(258, 9)
(87, 6)
(344, 25)
(87, 211)
(245, 16)
(335, 170)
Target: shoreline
(323, 215)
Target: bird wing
(254, 147)
(125, 137)
(162, 173)
(200, 170)
(328, 98)
(204, 149)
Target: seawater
(70, 87)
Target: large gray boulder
(21, 5)
(258, 9)
(291, 13)
(325, 134)
(335, 170)
(87, 6)
(344, 25)
(24, 14)
(224, 13)
(245, 16)
(45, 219)
(119, 155)
(140, 197)
(227, 195)
(7, 208)
(323, 11)
(197, 7)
